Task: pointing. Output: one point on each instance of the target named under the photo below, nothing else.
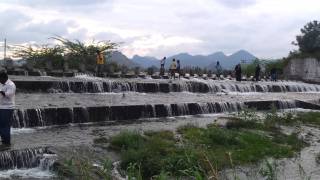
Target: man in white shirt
(7, 104)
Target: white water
(37, 173)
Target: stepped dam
(53, 113)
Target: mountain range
(187, 60)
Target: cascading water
(287, 104)
(204, 86)
(26, 158)
(35, 163)
(60, 116)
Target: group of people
(174, 68)
(238, 72)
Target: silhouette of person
(238, 72)
(257, 73)
(179, 68)
(162, 63)
(218, 69)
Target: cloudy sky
(159, 28)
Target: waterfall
(47, 161)
(287, 104)
(89, 85)
(24, 118)
(26, 158)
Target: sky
(158, 28)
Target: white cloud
(160, 27)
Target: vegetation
(199, 153)
(202, 152)
(266, 66)
(250, 69)
(77, 54)
(78, 167)
(308, 41)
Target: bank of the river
(205, 151)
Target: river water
(130, 92)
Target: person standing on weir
(179, 68)
(257, 73)
(100, 63)
(238, 72)
(273, 73)
(218, 70)
(7, 103)
(162, 63)
(173, 68)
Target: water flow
(100, 85)
(17, 159)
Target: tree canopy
(77, 53)
(309, 40)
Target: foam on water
(22, 130)
(34, 173)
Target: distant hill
(121, 59)
(146, 61)
(230, 61)
(209, 61)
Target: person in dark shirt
(178, 68)
(238, 72)
(257, 73)
(162, 63)
(218, 69)
(273, 73)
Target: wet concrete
(83, 134)
(87, 84)
(39, 100)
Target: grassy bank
(198, 152)
(201, 152)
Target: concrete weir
(58, 105)
(60, 116)
(75, 85)
(25, 158)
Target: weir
(60, 116)
(55, 102)
(26, 158)
(204, 86)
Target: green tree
(79, 55)
(309, 40)
(250, 69)
(41, 56)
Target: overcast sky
(159, 28)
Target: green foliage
(309, 40)
(83, 169)
(41, 55)
(199, 152)
(250, 69)
(278, 64)
(126, 140)
(78, 54)
(269, 170)
(134, 172)
(311, 118)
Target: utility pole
(5, 49)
